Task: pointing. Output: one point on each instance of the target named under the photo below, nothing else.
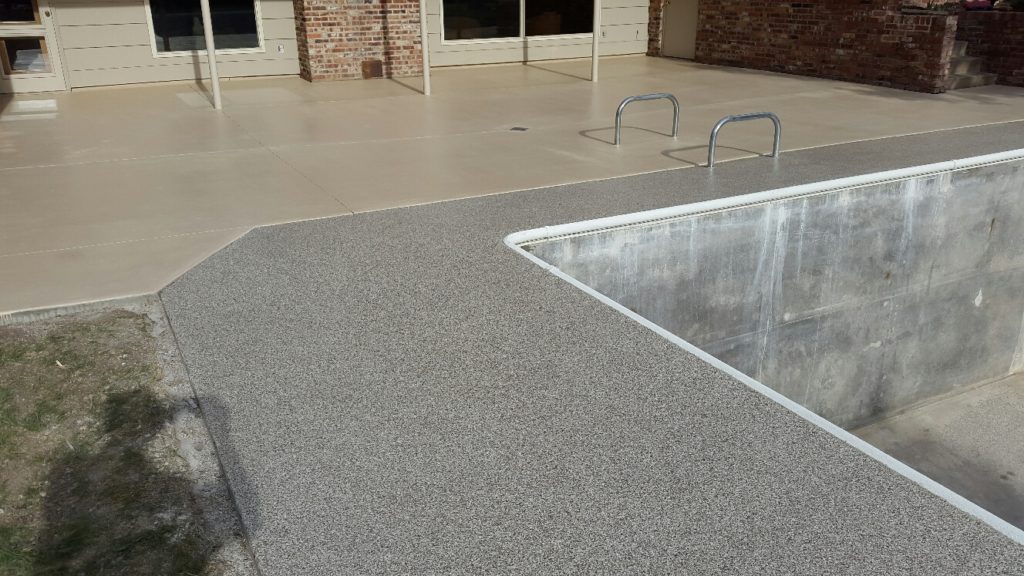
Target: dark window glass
(466, 19)
(178, 24)
(17, 11)
(550, 17)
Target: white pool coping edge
(600, 224)
(517, 239)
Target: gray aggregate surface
(398, 392)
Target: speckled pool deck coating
(398, 392)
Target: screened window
(178, 25)
(478, 19)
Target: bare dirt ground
(106, 466)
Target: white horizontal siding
(104, 35)
(86, 13)
(137, 34)
(277, 10)
(112, 76)
(624, 16)
(109, 42)
(142, 55)
(623, 31)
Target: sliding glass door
(515, 19)
(559, 17)
(480, 19)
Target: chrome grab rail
(655, 96)
(743, 118)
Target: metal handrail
(743, 118)
(655, 96)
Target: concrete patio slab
(92, 273)
(101, 203)
(398, 392)
(137, 163)
(110, 124)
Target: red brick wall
(867, 41)
(343, 39)
(998, 37)
(654, 28)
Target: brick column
(345, 39)
(654, 12)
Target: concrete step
(959, 81)
(959, 48)
(965, 65)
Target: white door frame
(43, 28)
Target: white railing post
(211, 51)
(424, 47)
(595, 47)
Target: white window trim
(261, 49)
(579, 35)
(511, 40)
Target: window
(178, 25)
(551, 17)
(20, 11)
(24, 56)
(481, 19)
(471, 19)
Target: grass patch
(89, 483)
(15, 551)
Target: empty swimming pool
(878, 307)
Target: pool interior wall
(855, 302)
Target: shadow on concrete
(409, 83)
(672, 153)
(389, 51)
(217, 417)
(197, 74)
(611, 133)
(529, 64)
(973, 96)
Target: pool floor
(969, 441)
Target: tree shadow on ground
(112, 508)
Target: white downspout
(597, 41)
(211, 52)
(424, 47)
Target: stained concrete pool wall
(853, 302)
